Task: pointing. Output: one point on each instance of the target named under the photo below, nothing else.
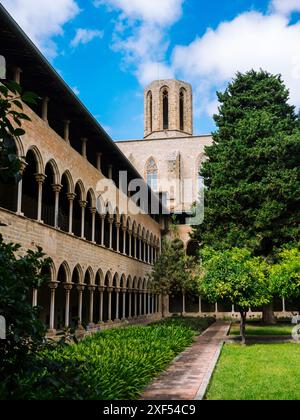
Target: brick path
(188, 376)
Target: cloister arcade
(44, 195)
(79, 298)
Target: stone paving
(188, 376)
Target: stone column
(145, 302)
(117, 290)
(23, 166)
(84, 141)
(149, 303)
(102, 228)
(68, 288)
(83, 205)
(135, 304)
(109, 291)
(216, 308)
(152, 255)
(130, 304)
(45, 109)
(99, 156)
(233, 309)
(71, 198)
(118, 226)
(56, 189)
(110, 221)
(53, 286)
(153, 303)
(141, 303)
(67, 131)
(92, 289)
(17, 75)
(93, 212)
(40, 179)
(135, 245)
(101, 291)
(145, 251)
(140, 247)
(35, 298)
(148, 259)
(130, 243)
(124, 290)
(80, 289)
(124, 228)
(200, 305)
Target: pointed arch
(151, 172)
(53, 164)
(99, 280)
(77, 276)
(165, 107)
(38, 158)
(108, 279)
(80, 188)
(182, 101)
(89, 277)
(123, 281)
(69, 181)
(65, 266)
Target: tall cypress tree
(252, 173)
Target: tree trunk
(268, 315)
(243, 327)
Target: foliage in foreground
(259, 372)
(115, 364)
(24, 332)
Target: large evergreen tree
(252, 173)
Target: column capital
(71, 196)
(101, 288)
(68, 286)
(80, 287)
(40, 178)
(53, 285)
(84, 140)
(23, 165)
(93, 210)
(117, 289)
(83, 204)
(118, 225)
(124, 228)
(124, 289)
(92, 287)
(110, 289)
(111, 220)
(102, 216)
(57, 188)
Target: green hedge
(115, 364)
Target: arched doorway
(30, 187)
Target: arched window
(150, 110)
(165, 109)
(152, 174)
(181, 109)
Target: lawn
(257, 329)
(257, 372)
(116, 364)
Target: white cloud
(150, 70)
(42, 20)
(161, 12)
(141, 33)
(250, 41)
(285, 7)
(84, 36)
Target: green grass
(258, 372)
(257, 329)
(116, 364)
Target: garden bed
(111, 365)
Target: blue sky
(108, 50)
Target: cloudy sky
(108, 50)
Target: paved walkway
(188, 376)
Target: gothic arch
(70, 181)
(165, 106)
(182, 105)
(55, 170)
(99, 280)
(39, 159)
(67, 270)
(151, 173)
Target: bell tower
(168, 109)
